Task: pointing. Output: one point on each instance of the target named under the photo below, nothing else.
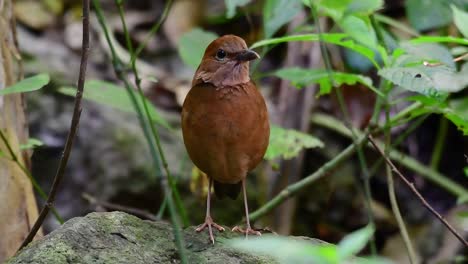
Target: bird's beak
(247, 55)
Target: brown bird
(225, 122)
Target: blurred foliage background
(111, 164)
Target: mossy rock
(117, 237)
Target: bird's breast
(225, 130)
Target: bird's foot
(247, 231)
(209, 223)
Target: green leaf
(288, 250)
(455, 110)
(364, 7)
(301, 77)
(30, 84)
(340, 39)
(32, 143)
(359, 29)
(287, 143)
(277, 13)
(439, 39)
(461, 20)
(465, 170)
(109, 94)
(231, 6)
(431, 52)
(192, 46)
(428, 14)
(332, 8)
(434, 81)
(353, 243)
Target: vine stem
(416, 192)
(146, 126)
(72, 132)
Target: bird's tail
(230, 190)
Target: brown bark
(18, 207)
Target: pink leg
(208, 220)
(248, 229)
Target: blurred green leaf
(336, 9)
(466, 171)
(109, 94)
(432, 81)
(231, 6)
(192, 46)
(32, 143)
(332, 8)
(439, 39)
(431, 52)
(461, 20)
(424, 14)
(353, 243)
(340, 39)
(276, 13)
(301, 77)
(364, 7)
(288, 250)
(287, 143)
(456, 110)
(29, 84)
(360, 30)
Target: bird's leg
(248, 230)
(208, 220)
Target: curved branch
(71, 134)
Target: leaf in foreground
(301, 77)
(192, 46)
(109, 94)
(353, 243)
(287, 143)
(30, 84)
(288, 250)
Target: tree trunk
(18, 209)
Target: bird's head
(225, 63)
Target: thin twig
(73, 129)
(416, 192)
(135, 211)
(397, 156)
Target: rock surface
(117, 237)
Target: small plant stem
(73, 129)
(344, 111)
(296, 187)
(152, 31)
(439, 144)
(146, 128)
(416, 192)
(152, 126)
(34, 183)
(399, 140)
(392, 196)
(403, 159)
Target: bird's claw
(247, 231)
(209, 223)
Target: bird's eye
(221, 54)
